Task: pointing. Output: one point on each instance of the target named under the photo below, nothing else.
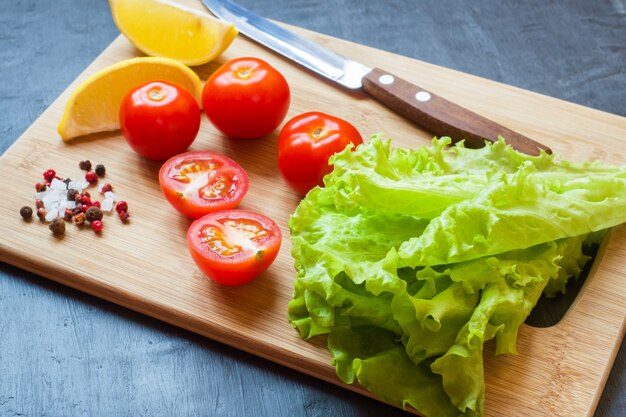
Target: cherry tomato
(200, 182)
(246, 98)
(305, 144)
(159, 119)
(232, 247)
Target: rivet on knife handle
(440, 116)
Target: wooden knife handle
(440, 116)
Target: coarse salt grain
(71, 204)
(107, 204)
(78, 185)
(51, 199)
(58, 185)
(75, 185)
(109, 195)
(51, 215)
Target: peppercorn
(124, 216)
(71, 194)
(85, 165)
(96, 225)
(26, 212)
(57, 226)
(91, 177)
(49, 175)
(86, 200)
(40, 187)
(96, 204)
(85, 194)
(79, 219)
(106, 188)
(38, 203)
(41, 213)
(92, 214)
(68, 215)
(77, 210)
(121, 206)
(100, 170)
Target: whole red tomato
(305, 144)
(246, 98)
(159, 119)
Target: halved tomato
(201, 182)
(232, 247)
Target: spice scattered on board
(61, 200)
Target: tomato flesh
(200, 182)
(233, 247)
(159, 119)
(305, 144)
(246, 98)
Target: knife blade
(422, 107)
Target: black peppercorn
(57, 226)
(93, 213)
(26, 212)
(85, 165)
(100, 170)
(71, 194)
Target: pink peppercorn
(49, 175)
(124, 216)
(121, 206)
(91, 177)
(96, 225)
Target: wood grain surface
(144, 266)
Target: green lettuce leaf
(409, 260)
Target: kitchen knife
(425, 108)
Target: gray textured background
(63, 353)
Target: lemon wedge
(163, 28)
(94, 105)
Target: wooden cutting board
(144, 265)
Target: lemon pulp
(166, 29)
